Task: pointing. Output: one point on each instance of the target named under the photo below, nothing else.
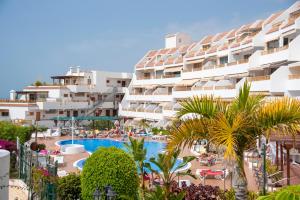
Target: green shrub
(41, 146)
(288, 192)
(110, 166)
(68, 187)
(10, 131)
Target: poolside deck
(252, 186)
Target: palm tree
(138, 151)
(144, 124)
(235, 125)
(167, 169)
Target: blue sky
(42, 38)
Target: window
(5, 114)
(119, 81)
(89, 81)
(117, 96)
(31, 113)
(79, 94)
(107, 112)
(61, 112)
(285, 41)
(82, 112)
(66, 95)
(179, 40)
(75, 113)
(51, 111)
(246, 57)
(223, 60)
(107, 81)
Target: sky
(39, 39)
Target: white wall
(4, 172)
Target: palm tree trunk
(240, 180)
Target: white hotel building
(77, 93)
(265, 52)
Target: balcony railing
(16, 101)
(258, 78)
(242, 61)
(294, 76)
(266, 52)
(159, 77)
(224, 87)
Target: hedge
(68, 187)
(110, 166)
(10, 132)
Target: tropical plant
(289, 192)
(110, 166)
(235, 125)
(138, 151)
(143, 124)
(68, 187)
(168, 171)
(160, 193)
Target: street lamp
(263, 153)
(110, 194)
(224, 176)
(97, 194)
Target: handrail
(266, 52)
(275, 174)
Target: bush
(110, 166)
(41, 146)
(68, 187)
(10, 132)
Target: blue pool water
(91, 145)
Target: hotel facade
(77, 93)
(265, 53)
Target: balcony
(236, 67)
(293, 82)
(63, 104)
(274, 55)
(218, 91)
(274, 50)
(260, 83)
(140, 113)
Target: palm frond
(205, 106)
(228, 132)
(282, 115)
(244, 101)
(187, 133)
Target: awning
(199, 83)
(188, 82)
(218, 78)
(224, 83)
(149, 87)
(259, 68)
(194, 61)
(240, 75)
(173, 69)
(242, 50)
(209, 84)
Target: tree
(38, 83)
(109, 166)
(138, 151)
(168, 171)
(235, 125)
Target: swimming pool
(91, 145)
